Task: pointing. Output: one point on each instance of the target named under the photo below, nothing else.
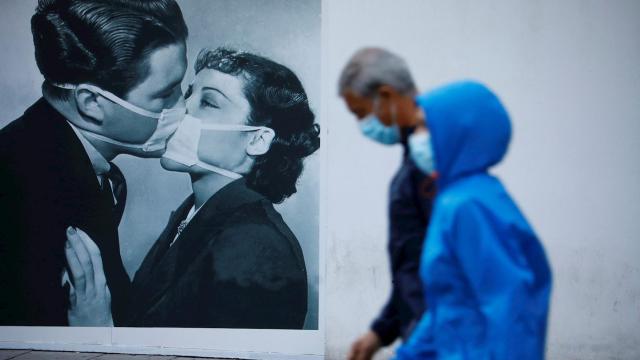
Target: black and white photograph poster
(160, 173)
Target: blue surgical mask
(421, 152)
(374, 129)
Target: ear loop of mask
(219, 170)
(394, 114)
(112, 97)
(394, 111)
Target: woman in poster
(226, 258)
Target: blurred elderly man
(379, 91)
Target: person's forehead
(229, 84)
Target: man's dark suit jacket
(411, 196)
(47, 183)
(235, 265)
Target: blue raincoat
(485, 274)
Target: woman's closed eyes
(211, 98)
(207, 102)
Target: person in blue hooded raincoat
(486, 278)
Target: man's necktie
(115, 187)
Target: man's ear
(261, 142)
(88, 105)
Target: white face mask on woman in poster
(183, 146)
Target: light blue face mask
(421, 152)
(374, 129)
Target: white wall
(569, 72)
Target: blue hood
(470, 129)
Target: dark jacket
(47, 183)
(410, 198)
(235, 265)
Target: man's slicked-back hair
(102, 42)
(369, 68)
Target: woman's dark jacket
(235, 265)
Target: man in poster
(112, 73)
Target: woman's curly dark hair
(277, 101)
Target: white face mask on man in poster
(168, 120)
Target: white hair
(369, 68)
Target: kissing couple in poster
(113, 73)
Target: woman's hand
(89, 296)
